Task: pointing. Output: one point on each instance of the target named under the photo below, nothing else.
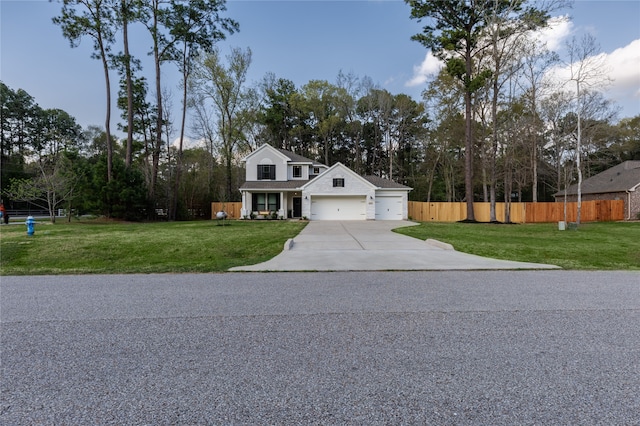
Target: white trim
(269, 147)
(342, 167)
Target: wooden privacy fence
(232, 209)
(592, 211)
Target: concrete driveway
(372, 246)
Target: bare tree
(537, 61)
(589, 71)
(224, 87)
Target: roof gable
(343, 169)
(266, 147)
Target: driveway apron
(372, 246)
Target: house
(288, 185)
(621, 182)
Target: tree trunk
(178, 175)
(468, 143)
(578, 149)
(127, 65)
(494, 153)
(107, 122)
(534, 157)
(159, 120)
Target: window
(266, 171)
(338, 182)
(316, 170)
(269, 201)
(297, 171)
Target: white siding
(354, 186)
(266, 155)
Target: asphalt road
(488, 347)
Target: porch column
(244, 211)
(282, 211)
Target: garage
(389, 208)
(338, 208)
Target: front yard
(601, 246)
(102, 247)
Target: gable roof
(623, 177)
(296, 158)
(344, 168)
(290, 156)
(263, 147)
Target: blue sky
(297, 40)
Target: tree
(443, 100)
(18, 119)
(143, 127)
(96, 20)
(627, 147)
(453, 33)
(371, 109)
(588, 71)
(53, 141)
(152, 14)
(224, 87)
(508, 25)
(127, 11)
(277, 114)
(536, 62)
(319, 101)
(196, 26)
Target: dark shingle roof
(385, 183)
(296, 158)
(620, 178)
(274, 184)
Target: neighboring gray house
(292, 186)
(621, 182)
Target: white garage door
(388, 208)
(338, 208)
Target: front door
(297, 206)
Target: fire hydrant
(31, 224)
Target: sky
(299, 40)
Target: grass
(594, 246)
(99, 247)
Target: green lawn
(603, 246)
(98, 247)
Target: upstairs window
(338, 182)
(297, 171)
(266, 171)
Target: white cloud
(554, 35)
(623, 71)
(625, 66)
(429, 67)
(188, 143)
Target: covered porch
(260, 204)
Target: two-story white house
(292, 186)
